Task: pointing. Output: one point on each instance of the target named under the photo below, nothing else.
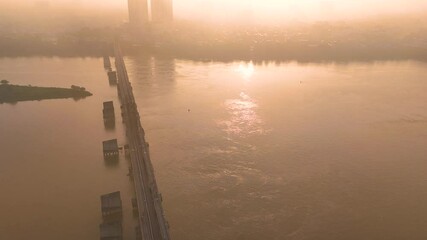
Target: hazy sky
(271, 10)
(282, 10)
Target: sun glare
(246, 70)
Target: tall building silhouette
(138, 12)
(161, 11)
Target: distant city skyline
(256, 11)
(138, 12)
(144, 11)
(161, 10)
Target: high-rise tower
(138, 12)
(161, 11)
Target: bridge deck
(152, 222)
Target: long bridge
(152, 222)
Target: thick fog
(260, 11)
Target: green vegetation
(4, 81)
(14, 93)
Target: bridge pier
(111, 150)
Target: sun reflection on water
(244, 120)
(246, 70)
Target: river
(241, 150)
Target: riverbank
(15, 93)
(381, 39)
